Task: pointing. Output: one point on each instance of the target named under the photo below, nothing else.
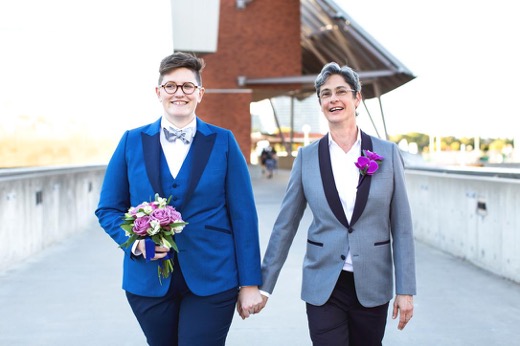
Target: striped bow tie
(185, 135)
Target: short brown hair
(181, 59)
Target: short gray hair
(332, 68)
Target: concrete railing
(470, 213)
(41, 206)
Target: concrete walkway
(70, 294)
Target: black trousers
(183, 318)
(342, 320)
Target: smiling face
(338, 100)
(179, 108)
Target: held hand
(264, 302)
(249, 301)
(403, 305)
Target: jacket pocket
(382, 243)
(218, 229)
(314, 243)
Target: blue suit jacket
(219, 248)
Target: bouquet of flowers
(156, 222)
(368, 164)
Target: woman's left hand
(403, 305)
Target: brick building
(267, 48)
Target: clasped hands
(250, 301)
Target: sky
(93, 64)
(465, 59)
(90, 64)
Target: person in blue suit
(200, 166)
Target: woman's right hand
(160, 251)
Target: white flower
(147, 209)
(162, 202)
(177, 229)
(155, 227)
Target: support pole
(378, 94)
(282, 138)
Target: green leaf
(130, 241)
(127, 227)
(156, 239)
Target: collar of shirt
(356, 143)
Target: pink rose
(141, 225)
(166, 216)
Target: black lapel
(201, 149)
(327, 179)
(364, 187)
(152, 160)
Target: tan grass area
(30, 152)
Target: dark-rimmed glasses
(187, 88)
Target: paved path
(70, 294)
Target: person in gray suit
(361, 233)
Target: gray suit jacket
(379, 235)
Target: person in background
(203, 170)
(361, 231)
(269, 160)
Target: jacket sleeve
(402, 231)
(243, 216)
(285, 227)
(114, 199)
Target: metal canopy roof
(329, 34)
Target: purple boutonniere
(368, 164)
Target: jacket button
(350, 230)
(175, 185)
(343, 257)
(175, 198)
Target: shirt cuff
(264, 293)
(135, 250)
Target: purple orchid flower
(368, 164)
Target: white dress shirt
(346, 177)
(176, 152)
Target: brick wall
(262, 40)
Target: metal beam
(308, 79)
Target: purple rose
(141, 225)
(166, 216)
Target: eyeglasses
(325, 94)
(187, 88)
